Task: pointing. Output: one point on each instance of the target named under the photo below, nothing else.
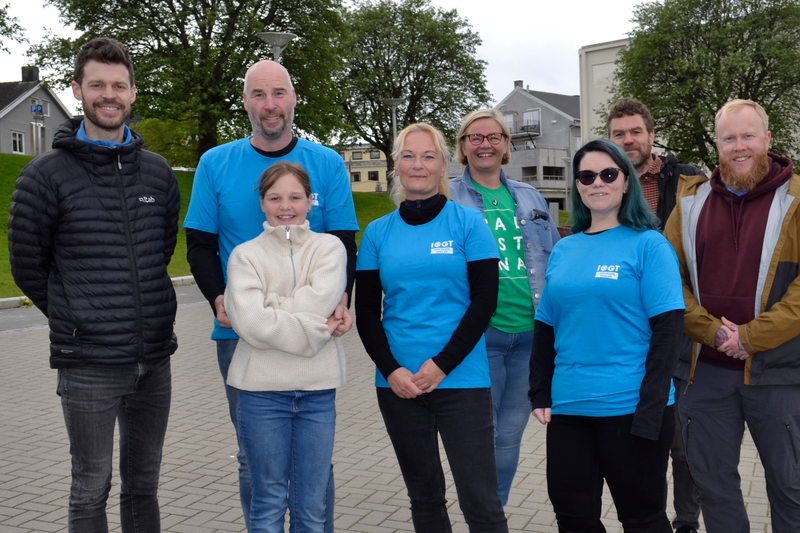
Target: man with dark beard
(225, 211)
(93, 226)
(737, 236)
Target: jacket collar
(298, 235)
(466, 178)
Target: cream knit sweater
(282, 287)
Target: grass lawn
(10, 167)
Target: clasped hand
(407, 385)
(728, 342)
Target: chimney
(518, 83)
(30, 73)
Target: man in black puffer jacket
(93, 226)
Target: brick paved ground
(199, 482)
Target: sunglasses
(608, 175)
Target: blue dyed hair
(633, 212)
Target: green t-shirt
(514, 304)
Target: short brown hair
(628, 107)
(279, 170)
(461, 157)
(103, 50)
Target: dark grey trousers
(714, 412)
(685, 496)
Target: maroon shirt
(730, 236)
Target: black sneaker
(686, 529)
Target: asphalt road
(28, 318)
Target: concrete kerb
(22, 301)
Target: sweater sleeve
(348, 238)
(659, 366)
(202, 251)
(31, 234)
(296, 324)
(542, 365)
(483, 285)
(370, 326)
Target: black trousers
(583, 451)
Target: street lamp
(277, 41)
(394, 102)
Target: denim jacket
(539, 232)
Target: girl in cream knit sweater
(282, 287)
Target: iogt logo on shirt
(442, 247)
(607, 271)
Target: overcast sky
(533, 41)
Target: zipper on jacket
(791, 440)
(291, 255)
(134, 271)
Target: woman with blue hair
(607, 333)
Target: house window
(357, 155)
(372, 175)
(356, 176)
(531, 121)
(375, 154)
(553, 173)
(46, 108)
(17, 142)
(510, 123)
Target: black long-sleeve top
(483, 281)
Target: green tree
(422, 55)
(173, 139)
(9, 29)
(687, 58)
(190, 57)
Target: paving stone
(198, 491)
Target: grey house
(545, 134)
(25, 128)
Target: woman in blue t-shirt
(427, 287)
(607, 332)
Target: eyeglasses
(477, 138)
(608, 175)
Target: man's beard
(105, 123)
(748, 181)
(274, 135)
(643, 159)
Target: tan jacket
(772, 338)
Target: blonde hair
(398, 193)
(461, 157)
(734, 106)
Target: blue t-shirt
(600, 292)
(423, 272)
(225, 198)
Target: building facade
(29, 115)
(545, 134)
(366, 167)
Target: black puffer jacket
(91, 232)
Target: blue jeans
(93, 399)
(225, 349)
(509, 366)
(288, 439)
(463, 420)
